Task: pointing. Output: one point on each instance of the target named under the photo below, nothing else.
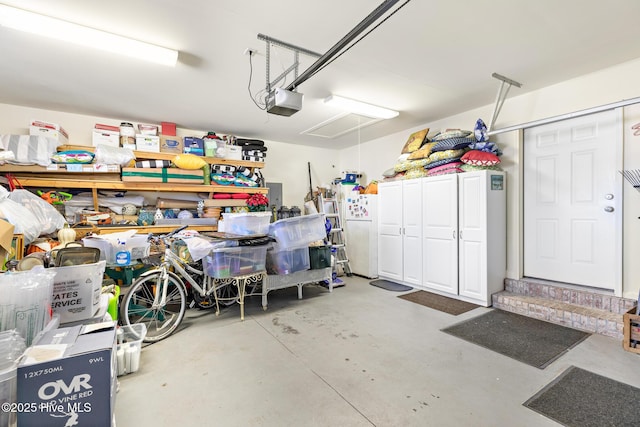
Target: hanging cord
(262, 107)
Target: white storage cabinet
(464, 245)
(400, 231)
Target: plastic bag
(23, 220)
(48, 217)
(109, 155)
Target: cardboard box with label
(68, 377)
(76, 291)
(171, 144)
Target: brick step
(555, 310)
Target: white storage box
(129, 347)
(247, 223)
(287, 261)
(76, 291)
(137, 245)
(298, 231)
(105, 137)
(48, 130)
(233, 152)
(235, 261)
(148, 143)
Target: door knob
(608, 196)
(608, 209)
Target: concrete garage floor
(359, 356)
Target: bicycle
(158, 297)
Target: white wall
(603, 87)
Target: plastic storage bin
(137, 245)
(298, 231)
(247, 223)
(286, 261)
(235, 261)
(320, 257)
(129, 347)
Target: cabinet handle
(460, 234)
(454, 234)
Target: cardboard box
(174, 175)
(6, 238)
(171, 144)
(148, 143)
(69, 377)
(49, 130)
(193, 145)
(631, 331)
(105, 137)
(76, 291)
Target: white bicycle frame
(171, 259)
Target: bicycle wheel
(137, 305)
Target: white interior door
(440, 233)
(572, 201)
(390, 230)
(412, 227)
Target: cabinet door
(472, 223)
(440, 233)
(412, 227)
(390, 230)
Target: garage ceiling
(429, 60)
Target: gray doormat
(390, 286)
(531, 341)
(439, 302)
(579, 398)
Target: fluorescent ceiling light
(62, 30)
(360, 107)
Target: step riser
(575, 308)
(571, 296)
(559, 316)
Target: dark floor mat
(579, 398)
(439, 302)
(531, 341)
(390, 286)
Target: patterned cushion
(480, 158)
(453, 167)
(441, 162)
(423, 152)
(451, 133)
(389, 173)
(447, 154)
(452, 144)
(472, 168)
(415, 141)
(410, 164)
(415, 173)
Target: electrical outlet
(249, 51)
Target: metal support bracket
(501, 96)
(270, 41)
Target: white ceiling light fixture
(23, 20)
(359, 107)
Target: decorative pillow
(189, 161)
(410, 164)
(453, 167)
(451, 133)
(480, 158)
(447, 154)
(223, 178)
(389, 173)
(441, 162)
(415, 173)
(480, 131)
(423, 152)
(415, 141)
(452, 144)
(72, 156)
(472, 168)
(403, 157)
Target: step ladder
(329, 207)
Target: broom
(633, 177)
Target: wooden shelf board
(155, 229)
(28, 181)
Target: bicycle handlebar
(152, 236)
